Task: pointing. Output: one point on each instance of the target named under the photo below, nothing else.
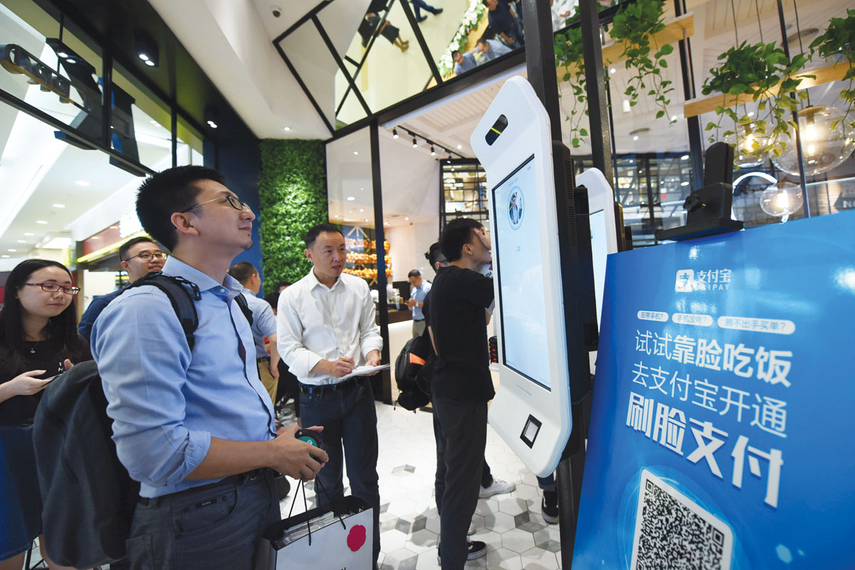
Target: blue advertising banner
(722, 406)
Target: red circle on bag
(356, 537)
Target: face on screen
(518, 251)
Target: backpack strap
(182, 299)
(244, 307)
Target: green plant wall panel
(293, 195)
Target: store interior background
(262, 77)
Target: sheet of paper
(365, 371)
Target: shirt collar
(178, 268)
(313, 281)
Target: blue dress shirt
(418, 295)
(263, 321)
(167, 402)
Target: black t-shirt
(501, 19)
(457, 316)
(20, 410)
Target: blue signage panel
(721, 434)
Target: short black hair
(272, 299)
(413, 273)
(456, 234)
(317, 230)
(454, 54)
(163, 194)
(126, 247)
(434, 255)
(242, 271)
(280, 284)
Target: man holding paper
(325, 329)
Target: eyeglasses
(233, 201)
(146, 256)
(54, 287)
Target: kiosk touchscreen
(531, 410)
(601, 204)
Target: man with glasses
(194, 426)
(139, 256)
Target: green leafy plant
(838, 41)
(293, 197)
(635, 25)
(570, 62)
(764, 72)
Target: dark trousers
(350, 421)
(215, 526)
(418, 5)
(439, 482)
(461, 458)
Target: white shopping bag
(342, 536)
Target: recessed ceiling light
(385, 223)
(149, 63)
(286, 128)
(29, 234)
(684, 157)
(11, 250)
(406, 218)
(62, 54)
(212, 124)
(351, 198)
(4, 256)
(82, 183)
(365, 220)
(22, 241)
(43, 222)
(143, 57)
(356, 153)
(459, 146)
(60, 206)
(361, 209)
(612, 70)
(635, 137)
(684, 183)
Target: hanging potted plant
(838, 42)
(570, 62)
(635, 25)
(764, 72)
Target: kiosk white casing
(531, 415)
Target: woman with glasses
(38, 340)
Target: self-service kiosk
(531, 410)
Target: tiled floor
(511, 525)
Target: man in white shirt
(326, 328)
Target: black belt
(263, 359)
(418, 320)
(312, 389)
(240, 479)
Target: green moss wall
(293, 197)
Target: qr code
(672, 532)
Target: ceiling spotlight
(635, 138)
(394, 133)
(146, 48)
(684, 157)
(415, 143)
(212, 115)
(635, 134)
(407, 219)
(22, 241)
(612, 70)
(42, 222)
(432, 151)
(684, 183)
(82, 183)
(351, 198)
(59, 206)
(12, 250)
(356, 153)
(286, 128)
(460, 146)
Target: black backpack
(413, 369)
(88, 498)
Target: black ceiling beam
(414, 24)
(326, 38)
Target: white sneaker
(498, 487)
(471, 530)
